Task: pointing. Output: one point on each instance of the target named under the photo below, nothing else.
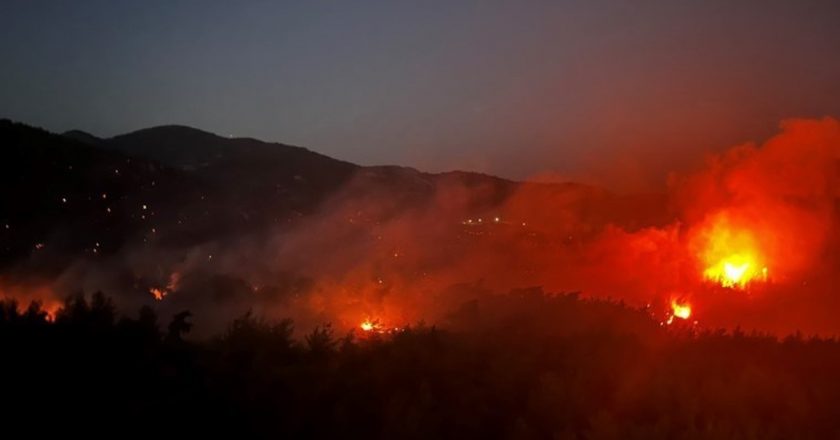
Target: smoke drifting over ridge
(748, 239)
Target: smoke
(396, 246)
(785, 191)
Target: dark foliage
(524, 365)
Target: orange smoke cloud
(747, 239)
(754, 216)
(784, 191)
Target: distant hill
(71, 195)
(83, 137)
(240, 164)
(257, 174)
(59, 195)
(79, 194)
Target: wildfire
(732, 256)
(158, 294)
(374, 326)
(736, 271)
(678, 310)
(51, 307)
(682, 311)
(369, 326)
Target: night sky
(617, 93)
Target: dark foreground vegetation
(524, 365)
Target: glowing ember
(51, 307)
(158, 294)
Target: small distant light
(64, 200)
(145, 207)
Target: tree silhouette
(526, 365)
(179, 326)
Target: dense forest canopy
(522, 365)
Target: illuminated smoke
(746, 237)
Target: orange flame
(732, 256)
(371, 326)
(158, 294)
(682, 311)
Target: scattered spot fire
(370, 326)
(374, 326)
(679, 310)
(160, 293)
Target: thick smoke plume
(418, 251)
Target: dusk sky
(617, 93)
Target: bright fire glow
(682, 311)
(369, 326)
(158, 294)
(732, 256)
(736, 271)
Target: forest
(522, 365)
